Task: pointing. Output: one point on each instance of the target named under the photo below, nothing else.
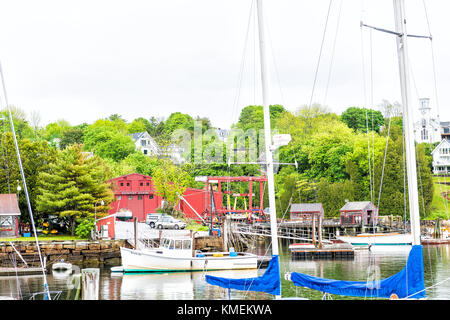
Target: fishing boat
(378, 239)
(177, 254)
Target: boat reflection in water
(175, 285)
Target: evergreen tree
(74, 185)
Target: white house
(441, 157)
(428, 128)
(145, 143)
(148, 146)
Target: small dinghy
(62, 265)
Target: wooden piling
(90, 283)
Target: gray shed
(305, 211)
(359, 213)
(9, 215)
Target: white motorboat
(177, 254)
(378, 239)
(62, 265)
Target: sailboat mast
(402, 50)
(267, 129)
(25, 189)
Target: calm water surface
(192, 286)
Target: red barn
(136, 193)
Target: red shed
(135, 192)
(106, 226)
(305, 211)
(359, 213)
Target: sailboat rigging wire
(241, 70)
(25, 189)
(384, 162)
(320, 55)
(332, 53)
(433, 62)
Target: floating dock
(332, 251)
(20, 271)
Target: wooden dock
(20, 271)
(332, 251)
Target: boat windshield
(177, 244)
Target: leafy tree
(73, 187)
(252, 117)
(360, 118)
(21, 125)
(71, 136)
(36, 157)
(56, 129)
(106, 142)
(170, 180)
(139, 125)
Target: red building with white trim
(136, 192)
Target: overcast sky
(84, 60)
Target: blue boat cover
(408, 283)
(269, 282)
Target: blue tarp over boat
(408, 283)
(269, 282)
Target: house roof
(444, 141)
(9, 205)
(356, 205)
(306, 207)
(126, 175)
(138, 135)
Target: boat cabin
(359, 213)
(176, 243)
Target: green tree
(252, 117)
(71, 136)
(73, 187)
(169, 181)
(107, 142)
(360, 118)
(36, 157)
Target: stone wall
(83, 253)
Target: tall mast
(25, 189)
(402, 50)
(267, 131)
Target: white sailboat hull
(152, 261)
(379, 239)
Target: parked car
(152, 218)
(168, 222)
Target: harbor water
(365, 266)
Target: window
(148, 184)
(150, 196)
(128, 184)
(139, 197)
(145, 151)
(119, 197)
(143, 143)
(186, 244)
(424, 134)
(171, 244)
(141, 184)
(178, 244)
(121, 184)
(130, 197)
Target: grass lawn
(43, 238)
(439, 203)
